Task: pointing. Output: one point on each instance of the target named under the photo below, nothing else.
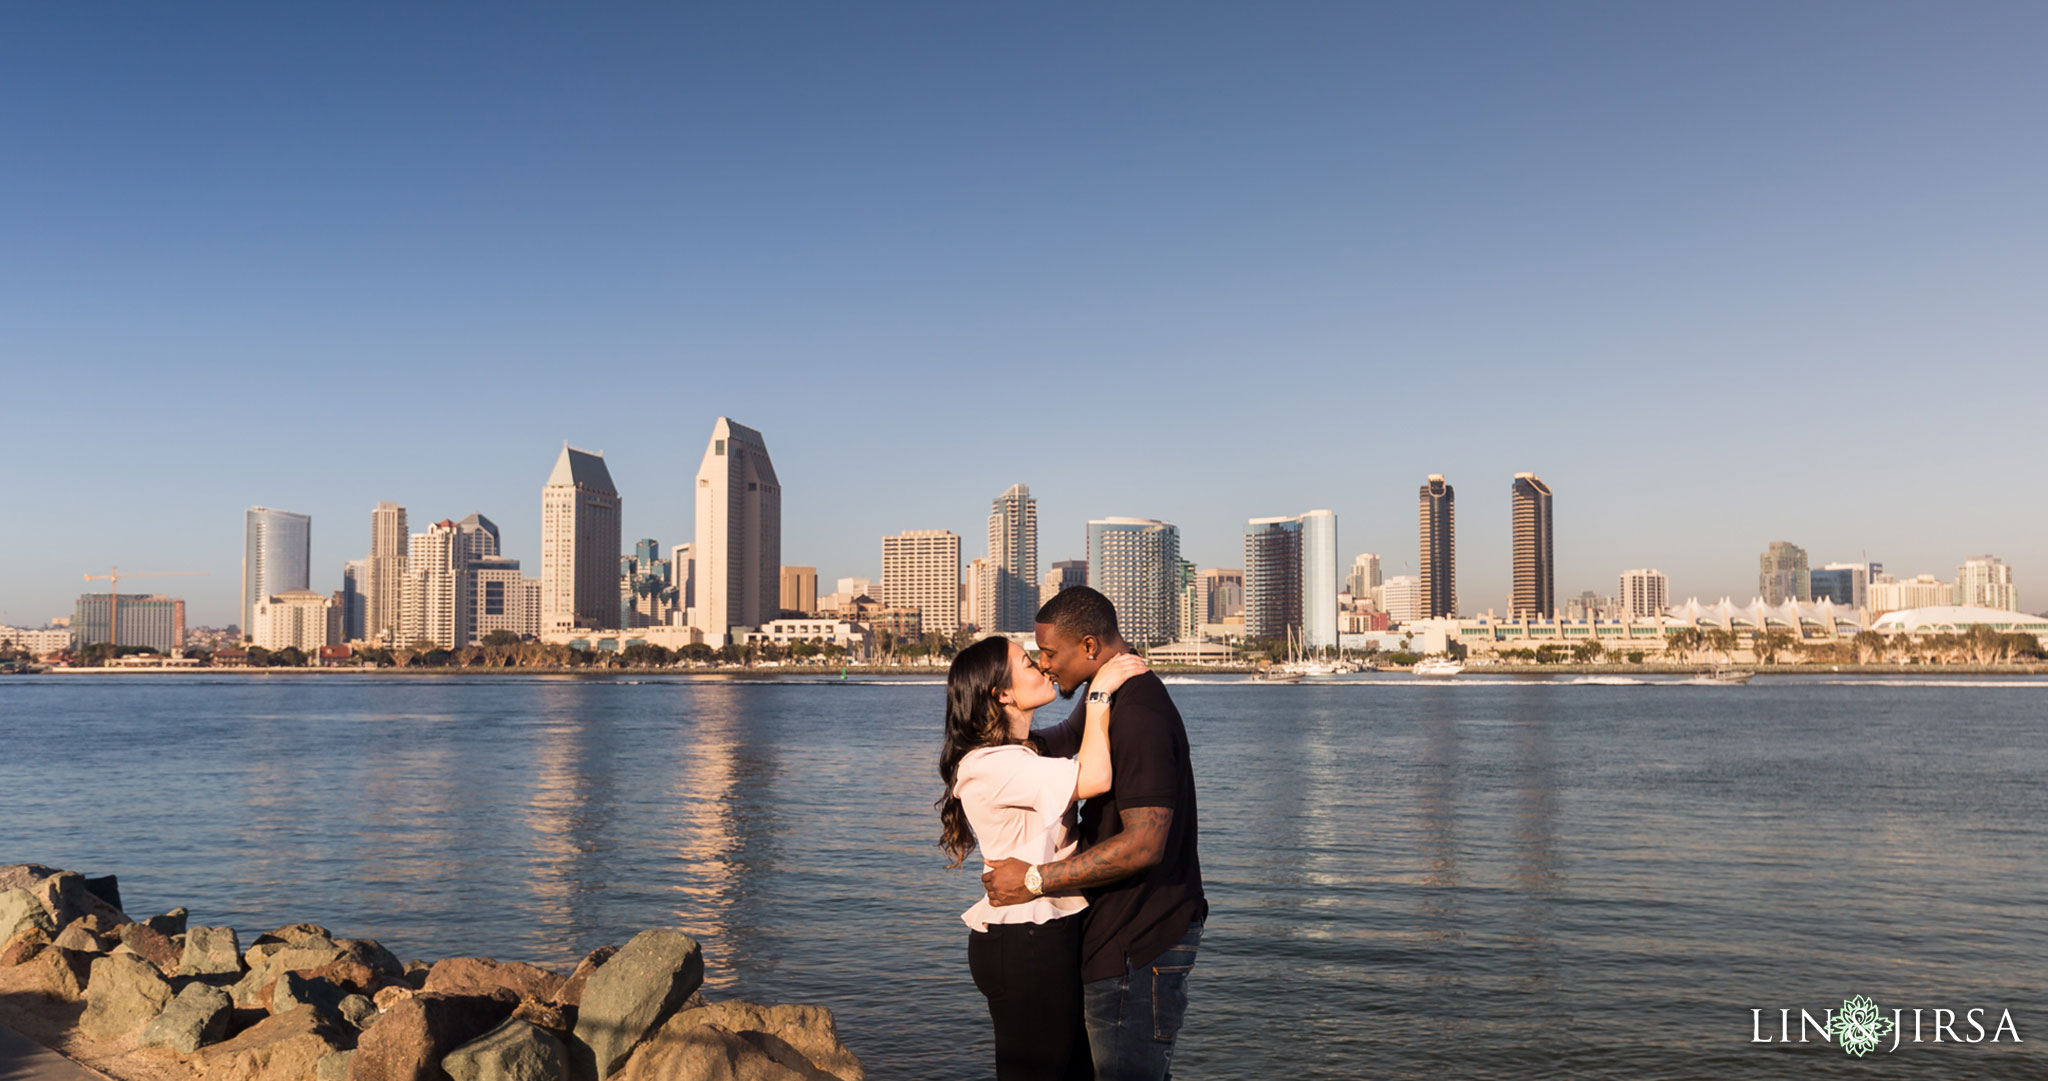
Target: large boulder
(630, 996)
(63, 974)
(293, 991)
(154, 946)
(20, 910)
(572, 991)
(198, 1016)
(359, 1010)
(23, 947)
(210, 951)
(514, 1051)
(808, 1031)
(363, 965)
(687, 1048)
(282, 1047)
(266, 965)
(76, 935)
(66, 896)
(411, 1037)
(512, 980)
(334, 1067)
(171, 924)
(125, 993)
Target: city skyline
(1616, 221)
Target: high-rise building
(151, 620)
(1062, 575)
(1135, 562)
(1846, 584)
(501, 600)
(1013, 551)
(1889, 594)
(384, 588)
(1782, 574)
(1535, 572)
(1364, 578)
(1223, 589)
(1402, 594)
(976, 591)
(277, 555)
(438, 602)
(355, 580)
(478, 537)
(579, 544)
(1190, 603)
(1643, 593)
(1439, 578)
(647, 590)
(1986, 582)
(739, 533)
(1290, 578)
(295, 619)
(800, 590)
(682, 565)
(921, 570)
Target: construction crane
(113, 578)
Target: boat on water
(1730, 676)
(1276, 674)
(1438, 668)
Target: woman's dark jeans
(1031, 975)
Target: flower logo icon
(1858, 1026)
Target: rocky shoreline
(163, 999)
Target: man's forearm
(1135, 849)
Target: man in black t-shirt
(1137, 864)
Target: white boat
(1729, 676)
(1276, 674)
(1438, 668)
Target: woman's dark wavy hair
(974, 719)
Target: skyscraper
(1290, 578)
(478, 537)
(921, 570)
(384, 587)
(1223, 588)
(1402, 594)
(1986, 582)
(1439, 579)
(1135, 562)
(277, 555)
(1364, 577)
(355, 579)
(1643, 593)
(1535, 573)
(1846, 584)
(739, 533)
(580, 514)
(151, 620)
(438, 603)
(1063, 575)
(1013, 551)
(1782, 574)
(800, 590)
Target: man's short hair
(1079, 611)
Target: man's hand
(1004, 881)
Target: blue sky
(1721, 273)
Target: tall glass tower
(1438, 516)
(277, 555)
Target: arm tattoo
(1137, 847)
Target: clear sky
(1721, 273)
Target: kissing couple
(1094, 906)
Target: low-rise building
(295, 619)
(36, 642)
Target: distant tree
(288, 657)
(1684, 642)
(1587, 652)
(1770, 644)
(501, 638)
(1635, 656)
(646, 655)
(259, 657)
(698, 653)
(1722, 641)
(1869, 646)
(729, 654)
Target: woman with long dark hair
(1013, 803)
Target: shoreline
(822, 674)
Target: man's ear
(1090, 646)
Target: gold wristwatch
(1034, 882)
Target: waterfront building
(1986, 582)
(277, 555)
(786, 632)
(1643, 593)
(1224, 588)
(1401, 596)
(739, 533)
(1782, 574)
(1135, 562)
(295, 619)
(1013, 551)
(1290, 578)
(146, 619)
(477, 537)
(436, 602)
(501, 600)
(1190, 603)
(580, 513)
(36, 641)
(799, 591)
(384, 586)
(921, 570)
(1365, 621)
(1844, 583)
(1960, 619)
(1063, 575)
(976, 593)
(353, 598)
(1889, 594)
(647, 593)
(1535, 569)
(1438, 519)
(682, 567)
(1363, 583)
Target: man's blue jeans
(1134, 1018)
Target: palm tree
(1684, 641)
(1722, 641)
(1771, 643)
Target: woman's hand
(1115, 671)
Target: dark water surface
(1488, 879)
